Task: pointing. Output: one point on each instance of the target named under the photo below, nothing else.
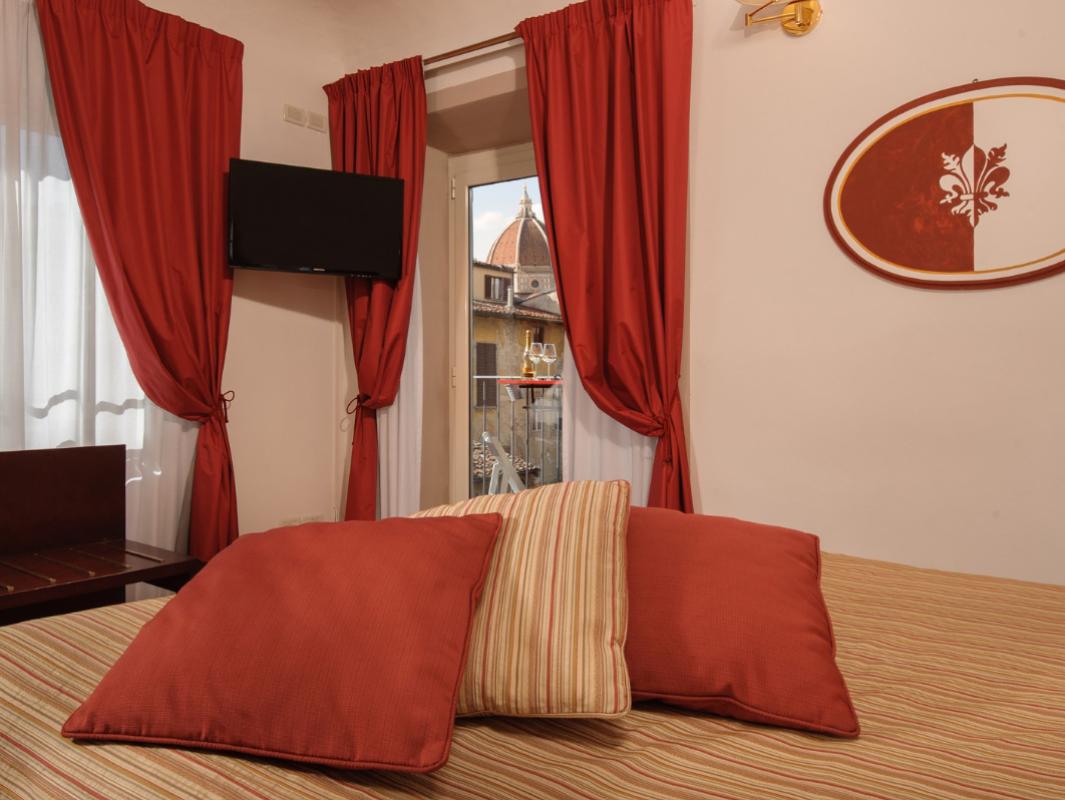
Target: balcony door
(506, 396)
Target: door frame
(466, 172)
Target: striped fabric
(959, 680)
(548, 638)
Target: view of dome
(514, 305)
(523, 243)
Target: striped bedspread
(959, 682)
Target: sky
(494, 205)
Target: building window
(538, 333)
(484, 370)
(495, 288)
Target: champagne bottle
(528, 369)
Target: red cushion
(727, 616)
(339, 644)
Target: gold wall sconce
(798, 18)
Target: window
(513, 420)
(495, 288)
(487, 390)
(65, 379)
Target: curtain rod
(501, 39)
(471, 48)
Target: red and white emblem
(928, 195)
(972, 180)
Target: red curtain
(609, 87)
(377, 122)
(149, 111)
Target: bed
(959, 681)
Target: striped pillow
(548, 637)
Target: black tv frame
(312, 177)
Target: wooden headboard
(65, 496)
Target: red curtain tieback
(663, 421)
(360, 401)
(666, 420)
(224, 400)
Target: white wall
(899, 423)
(286, 348)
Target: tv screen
(297, 219)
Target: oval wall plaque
(964, 188)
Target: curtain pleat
(149, 110)
(609, 97)
(377, 126)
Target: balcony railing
(517, 421)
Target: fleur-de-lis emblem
(973, 180)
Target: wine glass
(536, 352)
(550, 356)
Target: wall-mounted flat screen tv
(296, 219)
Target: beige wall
(898, 423)
(286, 348)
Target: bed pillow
(333, 643)
(727, 616)
(548, 639)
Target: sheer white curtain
(399, 427)
(65, 379)
(597, 447)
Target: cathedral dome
(523, 243)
